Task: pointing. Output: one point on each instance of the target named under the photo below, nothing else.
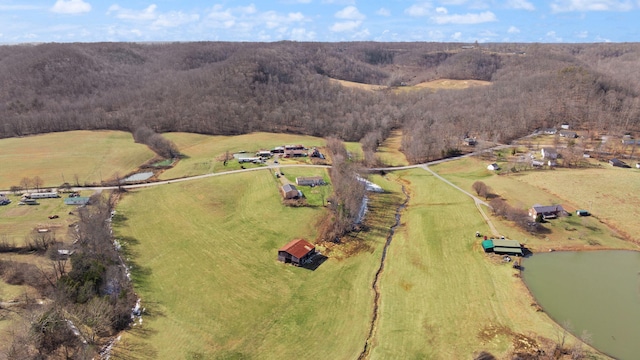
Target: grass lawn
(355, 149)
(568, 187)
(389, 153)
(58, 157)
(317, 195)
(17, 221)
(442, 297)
(205, 266)
(204, 152)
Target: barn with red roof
(297, 252)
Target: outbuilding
(297, 252)
(310, 181)
(547, 212)
(78, 200)
(502, 246)
(289, 191)
(493, 167)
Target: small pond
(138, 177)
(594, 291)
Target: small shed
(289, 191)
(502, 246)
(549, 153)
(493, 167)
(297, 252)
(568, 134)
(582, 213)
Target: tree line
(236, 88)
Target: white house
(549, 153)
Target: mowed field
(389, 154)
(92, 156)
(205, 255)
(442, 298)
(204, 153)
(606, 192)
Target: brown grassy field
(433, 85)
(92, 156)
(389, 154)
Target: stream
(376, 279)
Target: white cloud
(296, 1)
(487, 34)
(128, 14)
(350, 13)
(71, 7)
(552, 36)
(442, 10)
(360, 35)
(582, 34)
(456, 36)
(466, 19)
(345, 26)
(513, 30)
(272, 19)
(520, 4)
(174, 19)
(383, 12)
(591, 5)
(421, 9)
(301, 34)
(339, 2)
(248, 10)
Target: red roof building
(297, 252)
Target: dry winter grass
(389, 152)
(58, 157)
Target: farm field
(559, 186)
(18, 221)
(206, 269)
(205, 152)
(442, 298)
(389, 153)
(440, 84)
(58, 157)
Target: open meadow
(389, 154)
(442, 298)
(559, 186)
(205, 265)
(434, 85)
(76, 157)
(205, 153)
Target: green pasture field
(58, 157)
(204, 153)
(442, 297)
(389, 153)
(355, 149)
(18, 221)
(205, 265)
(315, 195)
(569, 187)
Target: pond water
(138, 177)
(594, 291)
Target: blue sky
(320, 20)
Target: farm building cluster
(284, 151)
(297, 252)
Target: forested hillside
(235, 88)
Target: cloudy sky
(320, 20)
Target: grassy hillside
(389, 152)
(205, 266)
(442, 298)
(613, 206)
(204, 152)
(58, 157)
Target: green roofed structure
(502, 246)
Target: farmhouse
(264, 154)
(547, 212)
(289, 191)
(618, 163)
(297, 252)
(502, 246)
(43, 195)
(568, 134)
(549, 153)
(289, 153)
(310, 181)
(549, 131)
(493, 166)
(78, 200)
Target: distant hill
(235, 88)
